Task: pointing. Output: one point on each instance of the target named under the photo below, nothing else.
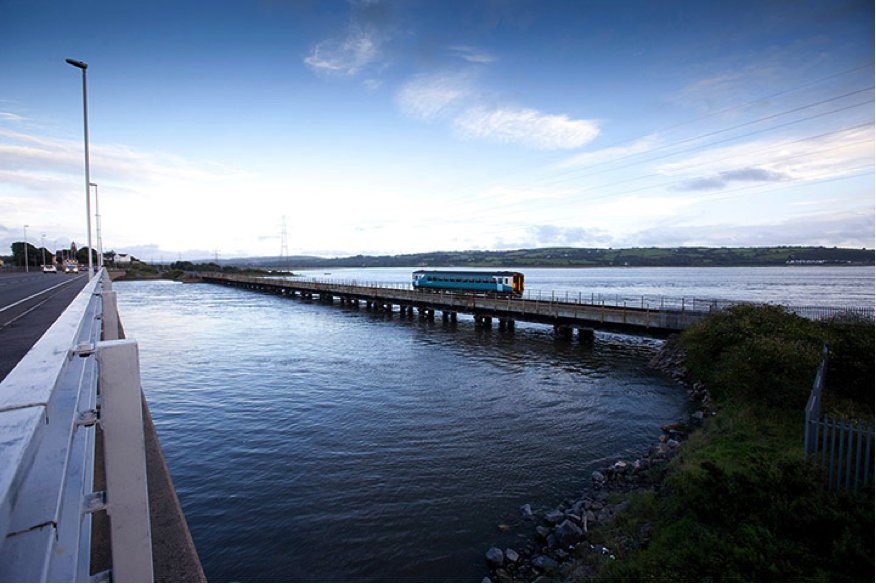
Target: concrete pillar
(562, 331)
(452, 317)
(586, 335)
(430, 314)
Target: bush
(761, 354)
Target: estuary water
(317, 443)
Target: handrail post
(125, 456)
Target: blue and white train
(478, 282)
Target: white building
(122, 258)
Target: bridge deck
(560, 313)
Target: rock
(504, 527)
(495, 557)
(598, 477)
(486, 580)
(561, 555)
(511, 556)
(568, 533)
(543, 531)
(544, 563)
(526, 512)
(672, 443)
(575, 518)
(554, 517)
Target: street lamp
(97, 226)
(83, 67)
(25, 249)
(43, 247)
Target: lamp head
(78, 64)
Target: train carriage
(468, 281)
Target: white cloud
(11, 117)
(610, 154)
(429, 96)
(347, 55)
(829, 156)
(526, 126)
(471, 54)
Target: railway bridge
(564, 313)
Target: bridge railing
(699, 306)
(78, 375)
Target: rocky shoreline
(559, 550)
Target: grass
(741, 502)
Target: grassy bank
(741, 502)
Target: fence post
(109, 315)
(125, 456)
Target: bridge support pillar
(483, 321)
(453, 317)
(562, 331)
(586, 335)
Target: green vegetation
(741, 501)
(570, 257)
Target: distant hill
(569, 257)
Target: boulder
(554, 516)
(526, 512)
(544, 563)
(511, 556)
(495, 557)
(568, 534)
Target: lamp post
(25, 249)
(97, 226)
(43, 246)
(83, 67)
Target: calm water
(317, 443)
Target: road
(29, 304)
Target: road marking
(34, 295)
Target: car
(50, 269)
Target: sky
(257, 128)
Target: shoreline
(558, 549)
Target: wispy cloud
(455, 95)
(11, 117)
(429, 96)
(609, 154)
(471, 54)
(828, 156)
(526, 126)
(346, 55)
(360, 44)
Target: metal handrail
(650, 302)
(70, 381)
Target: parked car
(50, 269)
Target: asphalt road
(29, 304)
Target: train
(498, 283)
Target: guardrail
(641, 301)
(77, 376)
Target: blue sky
(404, 126)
